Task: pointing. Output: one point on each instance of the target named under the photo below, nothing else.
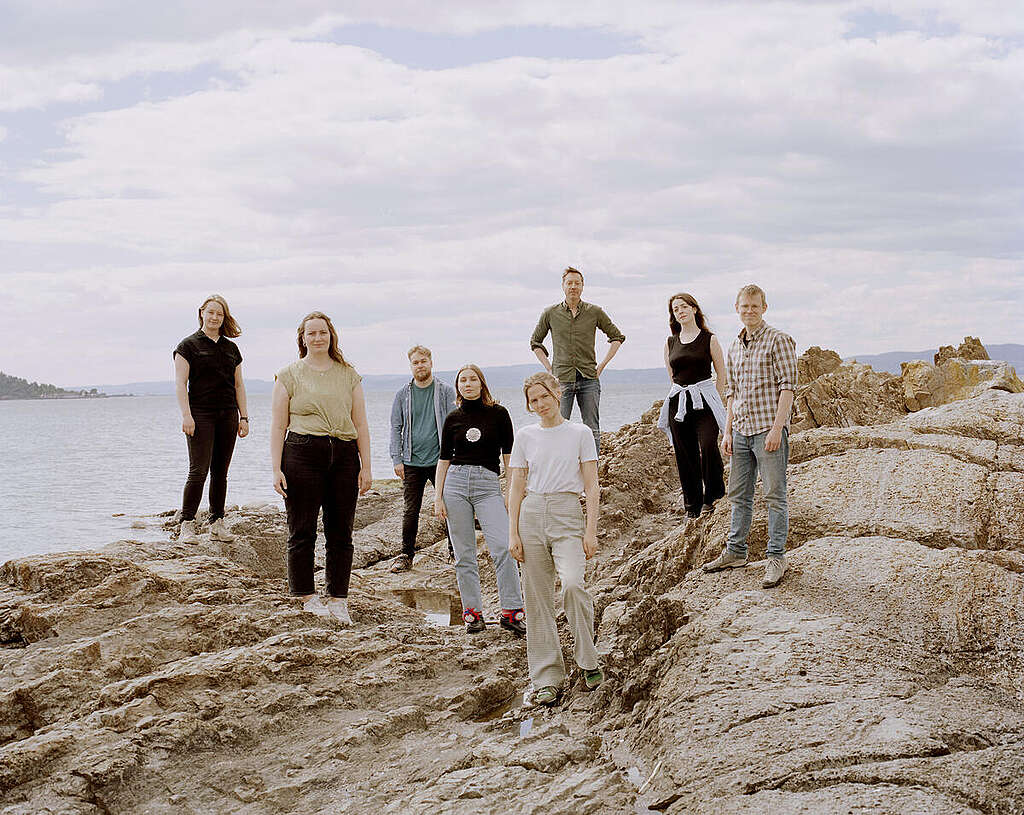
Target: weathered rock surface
(831, 394)
(815, 362)
(970, 348)
(884, 675)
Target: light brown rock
(884, 674)
(815, 362)
(970, 348)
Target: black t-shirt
(690, 361)
(211, 371)
(475, 433)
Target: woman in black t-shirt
(693, 413)
(211, 397)
(476, 436)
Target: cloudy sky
(423, 171)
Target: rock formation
(884, 675)
(849, 394)
(970, 348)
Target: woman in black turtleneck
(477, 436)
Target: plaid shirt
(759, 370)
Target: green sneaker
(593, 679)
(546, 696)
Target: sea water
(77, 473)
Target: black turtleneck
(475, 433)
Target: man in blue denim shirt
(762, 382)
(573, 325)
(417, 417)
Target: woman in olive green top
(323, 462)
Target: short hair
(570, 270)
(546, 381)
(750, 290)
(420, 349)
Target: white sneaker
(314, 605)
(338, 606)
(219, 532)
(187, 534)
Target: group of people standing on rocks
(460, 439)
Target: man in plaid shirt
(762, 381)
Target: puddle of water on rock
(437, 607)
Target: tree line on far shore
(14, 387)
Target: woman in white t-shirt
(551, 464)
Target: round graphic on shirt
(473, 434)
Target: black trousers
(414, 483)
(695, 440)
(321, 472)
(209, 453)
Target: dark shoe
(474, 621)
(546, 696)
(693, 514)
(514, 620)
(707, 509)
(402, 563)
(592, 679)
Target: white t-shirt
(553, 456)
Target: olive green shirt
(320, 402)
(572, 338)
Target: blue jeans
(588, 395)
(469, 490)
(748, 458)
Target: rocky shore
(884, 675)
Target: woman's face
(683, 311)
(316, 335)
(541, 401)
(469, 384)
(213, 316)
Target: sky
(423, 172)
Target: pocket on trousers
(296, 439)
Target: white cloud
(857, 179)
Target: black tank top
(690, 361)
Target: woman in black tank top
(690, 353)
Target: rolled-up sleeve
(609, 328)
(784, 362)
(541, 331)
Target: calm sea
(79, 472)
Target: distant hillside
(890, 361)
(511, 376)
(14, 387)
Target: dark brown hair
(699, 318)
(570, 270)
(333, 351)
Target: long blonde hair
(229, 328)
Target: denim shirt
(400, 445)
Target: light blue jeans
(469, 490)
(748, 458)
(588, 395)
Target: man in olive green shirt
(573, 325)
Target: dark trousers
(415, 481)
(695, 441)
(209, 453)
(321, 471)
